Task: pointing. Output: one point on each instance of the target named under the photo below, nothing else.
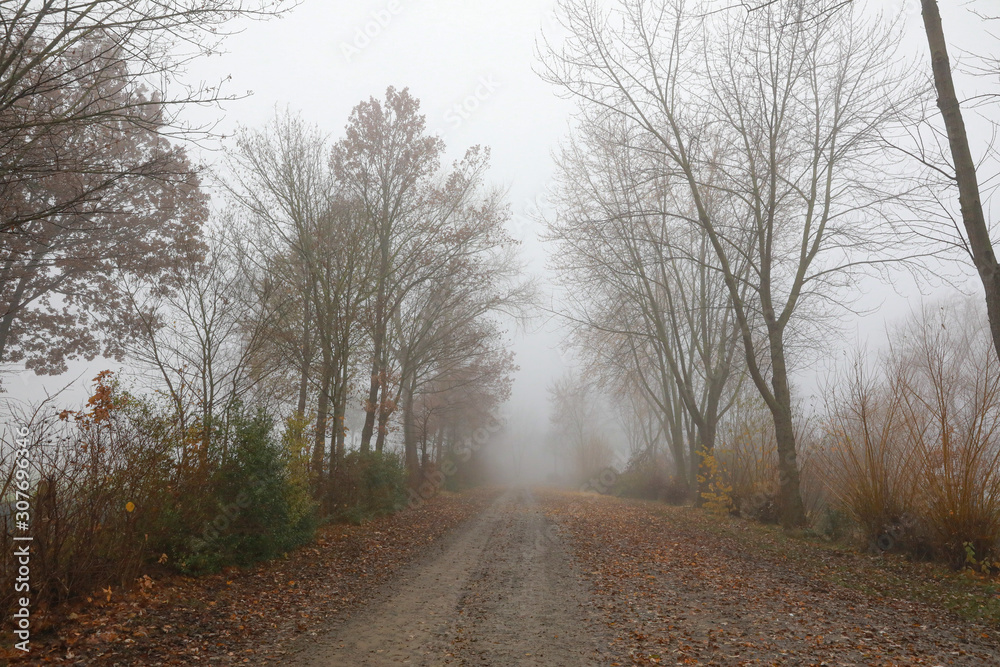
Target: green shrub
(367, 485)
(260, 511)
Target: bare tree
(462, 407)
(279, 184)
(456, 366)
(654, 291)
(202, 341)
(964, 175)
(309, 235)
(575, 419)
(372, 250)
(471, 274)
(783, 111)
(641, 423)
(387, 162)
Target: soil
(502, 591)
(549, 578)
(678, 586)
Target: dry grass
(913, 453)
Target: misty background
(472, 66)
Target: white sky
(470, 64)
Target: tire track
(502, 591)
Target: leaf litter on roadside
(679, 587)
(245, 615)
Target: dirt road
(546, 578)
(484, 578)
(501, 591)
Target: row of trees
(360, 259)
(325, 254)
(356, 277)
(732, 178)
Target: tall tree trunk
(383, 430)
(379, 337)
(322, 414)
(696, 488)
(300, 408)
(674, 432)
(371, 408)
(705, 447)
(378, 368)
(306, 359)
(410, 432)
(790, 496)
(673, 428)
(386, 408)
(424, 455)
(338, 398)
(969, 197)
(708, 428)
(340, 412)
(438, 445)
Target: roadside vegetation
(322, 338)
(723, 200)
(327, 342)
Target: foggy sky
(470, 64)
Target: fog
(496, 333)
(472, 66)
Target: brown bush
(96, 485)
(119, 487)
(913, 455)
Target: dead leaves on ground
(244, 616)
(677, 587)
(672, 586)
